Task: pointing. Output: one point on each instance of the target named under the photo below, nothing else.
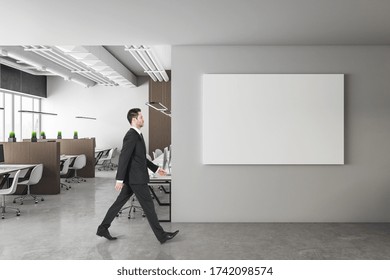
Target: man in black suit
(132, 177)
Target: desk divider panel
(77, 147)
(47, 153)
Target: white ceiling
(162, 24)
(201, 22)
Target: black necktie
(143, 141)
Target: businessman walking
(132, 177)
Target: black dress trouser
(144, 198)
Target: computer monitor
(1, 153)
(165, 159)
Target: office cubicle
(84, 146)
(47, 153)
(77, 147)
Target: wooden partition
(47, 153)
(159, 124)
(77, 147)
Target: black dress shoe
(168, 236)
(105, 233)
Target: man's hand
(118, 186)
(161, 172)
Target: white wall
(109, 105)
(358, 191)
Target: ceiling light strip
(96, 77)
(133, 50)
(37, 49)
(93, 76)
(163, 109)
(86, 72)
(149, 62)
(94, 72)
(157, 73)
(87, 118)
(155, 105)
(154, 67)
(36, 112)
(15, 55)
(76, 67)
(97, 74)
(58, 60)
(143, 54)
(73, 66)
(79, 67)
(141, 62)
(67, 61)
(154, 59)
(166, 113)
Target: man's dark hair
(133, 113)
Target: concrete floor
(64, 226)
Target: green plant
(75, 133)
(12, 134)
(43, 134)
(33, 134)
(59, 133)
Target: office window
(2, 119)
(13, 120)
(27, 118)
(8, 114)
(18, 116)
(37, 117)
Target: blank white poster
(273, 119)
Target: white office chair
(9, 191)
(134, 206)
(79, 163)
(106, 161)
(157, 153)
(35, 177)
(64, 171)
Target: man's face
(139, 121)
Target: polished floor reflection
(64, 226)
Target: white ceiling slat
(92, 62)
(100, 61)
(144, 56)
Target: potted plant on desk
(33, 136)
(75, 135)
(12, 137)
(43, 135)
(59, 135)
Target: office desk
(46, 153)
(7, 169)
(159, 181)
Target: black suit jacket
(133, 164)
